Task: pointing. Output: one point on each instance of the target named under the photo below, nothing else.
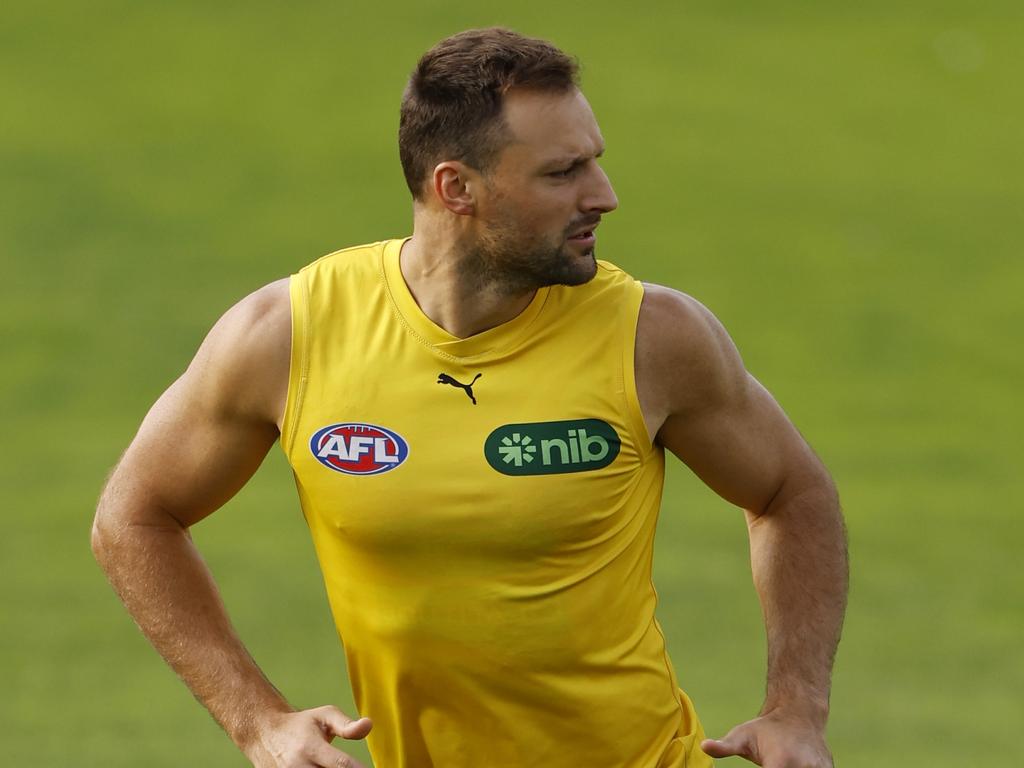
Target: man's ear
(454, 186)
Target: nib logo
(552, 447)
(517, 449)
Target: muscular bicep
(209, 432)
(186, 461)
(743, 447)
(706, 409)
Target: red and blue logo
(359, 449)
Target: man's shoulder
(683, 351)
(245, 357)
(609, 273)
(366, 255)
(270, 299)
(610, 283)
(676, 320)
(263, 311)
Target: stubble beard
(503, 262)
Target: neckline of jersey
(500, 338)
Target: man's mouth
(586, 235)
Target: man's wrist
(809, 706)
(246, 727)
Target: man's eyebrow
(573, 159)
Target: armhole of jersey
(635, 414)
(297, 369)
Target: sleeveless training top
(483, 510)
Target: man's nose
(599, 193)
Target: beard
(504, 261)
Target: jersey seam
(300, 335)
(669, 672)
(634, 411)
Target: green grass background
(840, 183)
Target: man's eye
(563, 174)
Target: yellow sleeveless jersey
(483, 510)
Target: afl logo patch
(359, 449)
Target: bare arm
(705, 408)
(200, 443)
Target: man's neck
(430, 268)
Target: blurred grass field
(841, 184)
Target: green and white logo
(552, 447)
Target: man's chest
(496, 463)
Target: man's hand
(774, 741)
(303, 739)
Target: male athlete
(477, 416)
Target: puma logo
(444, 378)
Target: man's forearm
(168, 590)
(799, 562)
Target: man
(476, 417)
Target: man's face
(545, 188)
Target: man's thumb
(340, 724)
(731, 745)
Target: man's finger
(732, 745)
(326, 756)
(336, 723)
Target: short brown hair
(451, 108)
